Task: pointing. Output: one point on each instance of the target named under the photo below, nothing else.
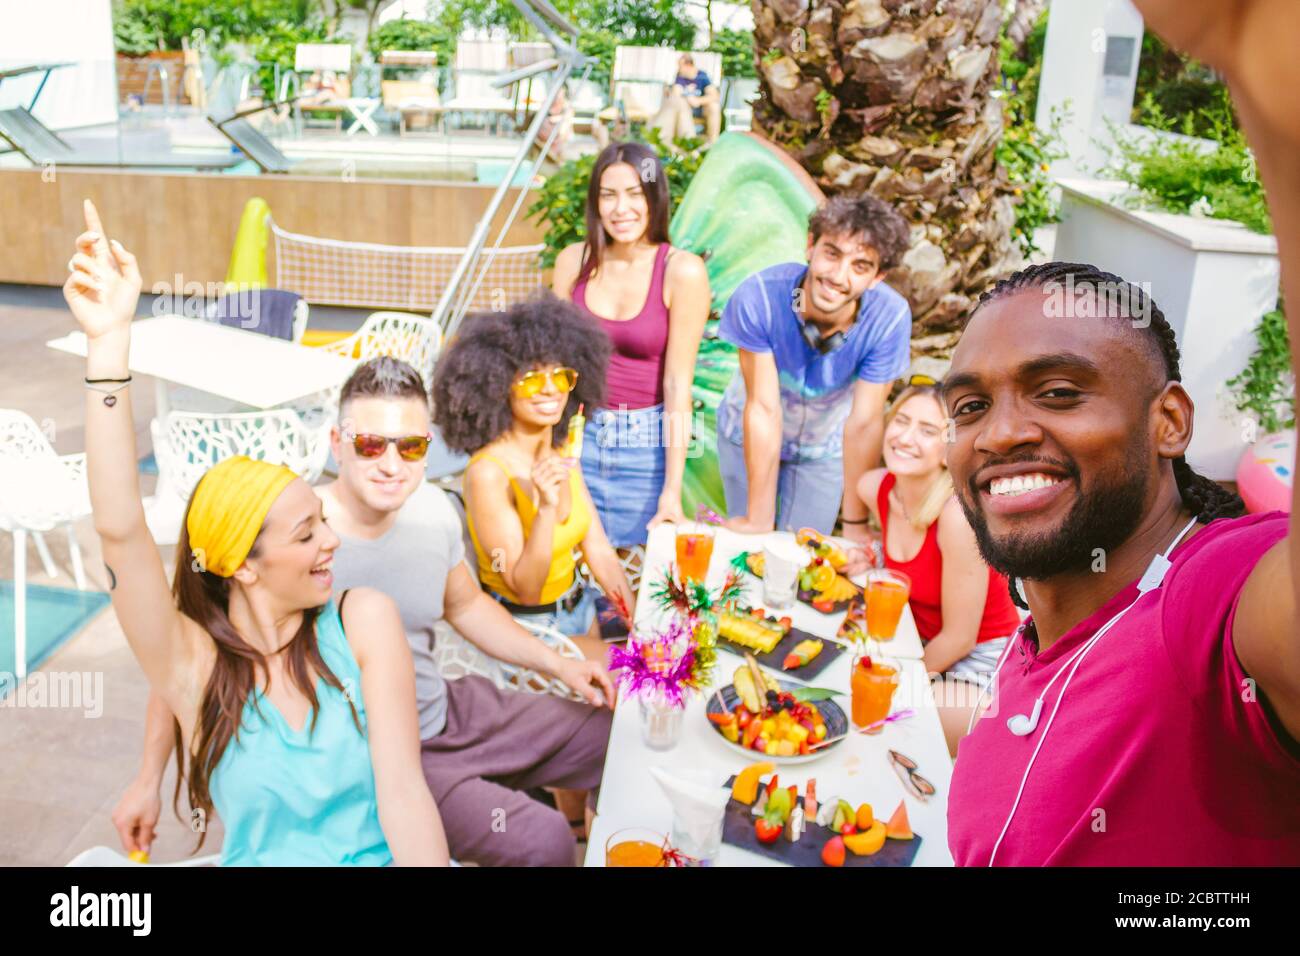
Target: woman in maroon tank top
(652, 301)
(962, 607)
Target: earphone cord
(1159, 562)
(1077, 660)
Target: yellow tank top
(567, 536)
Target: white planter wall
(1213, 280)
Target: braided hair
(1205, 498)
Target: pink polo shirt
(1160, 755)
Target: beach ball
(1266, 472)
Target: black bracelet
(857, 521)
(105, 381)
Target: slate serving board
(738, 830)
(773, 658)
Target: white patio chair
(189, 443)
(105, 856)
(455, 657)
(414, 339)
(39, 491)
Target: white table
(245, 367)
(857, 770)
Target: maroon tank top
(926, 571)
(635, 378)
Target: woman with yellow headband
(296, 720)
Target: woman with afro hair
(504, 392)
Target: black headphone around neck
(813, 336)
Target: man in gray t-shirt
(482, 747)
(410, 563)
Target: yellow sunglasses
(564, 379)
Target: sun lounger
(43, 147)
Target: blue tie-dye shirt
(816, 389)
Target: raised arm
(407, 813)
(102, 292)
(762, 431)
(1253, 44)
(688, 311)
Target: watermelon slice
(898, 827)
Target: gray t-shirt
(410, 564)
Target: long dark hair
(654, 183)
(1204, 497)
(204, 598)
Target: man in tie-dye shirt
(820, 344)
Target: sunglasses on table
(564, 379)
(905, 767)
(409, 447)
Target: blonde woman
(962, 607)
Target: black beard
(1102, 518)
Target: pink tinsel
(658, 666)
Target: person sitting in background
(481, 747)
(504, 391)
(962, 607)
(692, 96)
(295, 716)
(820, 346)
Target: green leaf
(810, 695)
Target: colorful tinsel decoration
(692, 597)
(664, 666)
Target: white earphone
(1022, 725)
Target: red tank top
(926, 571)
(635, 377)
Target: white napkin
(698, 801)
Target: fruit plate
(774, 658)
(738, 830)
(837, 607)
(837, 724)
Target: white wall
(57, 31)
(1073, 78)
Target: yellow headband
(228, 509)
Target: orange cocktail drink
(872, 685)
(887, 593)
(635, 847)
(694, 551)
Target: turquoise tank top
(302, 798)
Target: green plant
(1023, 68)
(1185, 176)
(1025, 151)
(1177, 92)
(562, 199)
(1265, 387)
(737, 49)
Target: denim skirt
(623, 465)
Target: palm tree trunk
(895, 98)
